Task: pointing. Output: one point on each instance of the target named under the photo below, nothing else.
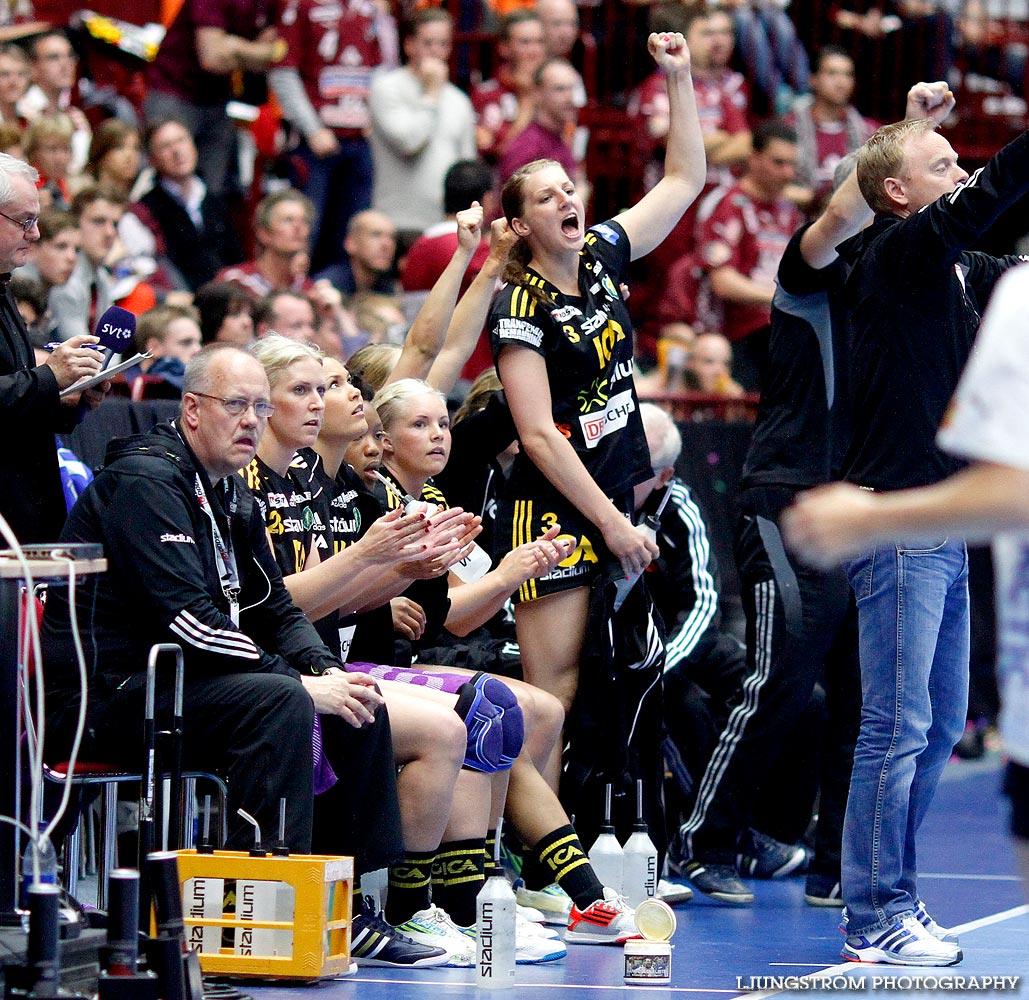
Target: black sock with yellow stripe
(562, 859)
(409, 885)
(457, 877)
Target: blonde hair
(390, 400)
(882, 156)
(375, 363)
(47, 127)
(366, 305)
(11, 135)
(276, 353)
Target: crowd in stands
(369, 119)
(343, 300)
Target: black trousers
(253, 729)
(700, 692)
(360, 814)
(801, 627)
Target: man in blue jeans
(986, 424)
(915, 294)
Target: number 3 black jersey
(586, 341)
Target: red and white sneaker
(610, 920)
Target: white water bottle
(495, 930)
(258, 899)
(606, 854)
(205, 898)
(640, 868)
(264, 899)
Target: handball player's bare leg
(550, 635)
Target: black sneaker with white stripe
(720, 882)
(823, 890)
(764, 857)
(373, 942)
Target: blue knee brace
(513, 723)
(494, 722)
(488, 706)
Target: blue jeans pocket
(921, 547)
(859, 573)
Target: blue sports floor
(969, 881)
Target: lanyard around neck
(223, 553)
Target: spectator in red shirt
(48, 148)
(722, 105)
(282, 227)
(722, 99)
(828, 126)
(547, 136)
(742, 234)
(504, 105)
(208, 42)
(322, 86)
(467, 181)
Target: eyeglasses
(24, 225)
(237, 407)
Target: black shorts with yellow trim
(521, 520)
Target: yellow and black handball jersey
(586, 341)
(294, 522)
(430, 594)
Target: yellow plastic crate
(291, 918)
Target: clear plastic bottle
(640, 865)
(606, 854)
(495, 934)
(47, 873)
(47, 866)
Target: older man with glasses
(31, 408)
(189, 563)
